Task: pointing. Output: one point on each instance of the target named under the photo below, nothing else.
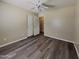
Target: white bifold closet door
(30, 25)
(33, 25)
(36, 25)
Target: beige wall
(60, 23)
(77, 26)
(77, 21)
(13, 23)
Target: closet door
(30, 25)
(36, 24)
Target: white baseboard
(60, 39)
(76, 50)
(66, 41)
(12, 42)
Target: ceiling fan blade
(51, 6)
(45, 7)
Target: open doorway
(41, 21)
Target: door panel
(30, 25)
(36, 25)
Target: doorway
(41, 21)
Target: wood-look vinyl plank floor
(39, 47)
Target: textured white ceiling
(61, 3)
(29, 4)
(26, 4)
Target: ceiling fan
(40, 5)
